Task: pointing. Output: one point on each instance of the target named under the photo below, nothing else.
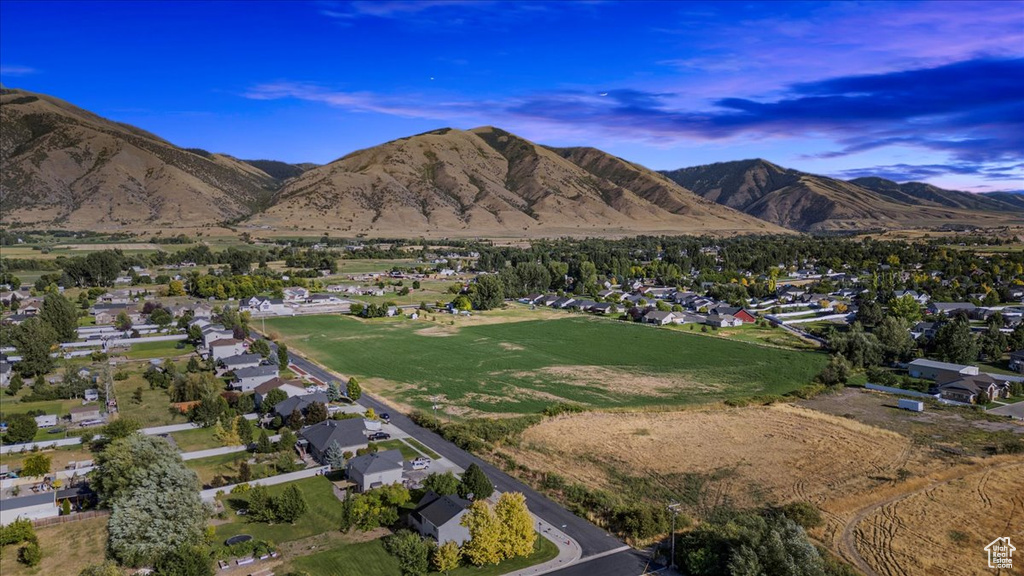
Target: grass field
(370, 559)
(67, 549)
(145, 350)
(195, 439)
(153, 410)
(324, 514)
(505, 363)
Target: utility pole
(674, 509)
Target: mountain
(280, 171)
(808, 202)
(489, 182)
(922, 194)
(64, 166)
(1015, 199)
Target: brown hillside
(487, 182)
(64, 166)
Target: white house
(247, 379)
(374, 470)
(31, 507)
(226, 347)
(440, 518)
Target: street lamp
(674, 509)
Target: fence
(70, 518)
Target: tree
(186, 560)
(153, 496)
(260, 347)
(905, 308)
(475, 484)
(353, 390)
(316, 413)
(411, 551)
(442, 484)
(30, 554)
(895, 339)
(20, 428)
(261, 504)
(34, 340)
(290, 505)
(123, 321)
(860, 348)
(517, 533)
(982, 398)
(245, 429)
(15, 384)
(161, 317)
(61, 315)
(484, 545)
(333, 393)
(295, 419)
(487, 293)
(282, 355)
(447, 557)
(287, 441)
(36, 465)
(836, 372)
(334, 456)
(121, 428)
(227, 436)
(992, 343)
(264, 445)
(954, 342)
(176, 288)
(272, 398)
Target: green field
(145, 350)
(496, 366)
(370, 559)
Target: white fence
(211, 494)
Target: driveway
(1013, 410)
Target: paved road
(592, 539)
(627, 563)
(1013, 410)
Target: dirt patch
(764, 454)
(510, 346)
(615, 381)
(440, 331)
(114, 246)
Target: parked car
(421, 463)
(385, 417)
(56, 430)
(379, 436)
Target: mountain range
(62, 166)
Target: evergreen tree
(316, 413)
(61, 315)
(263, 445)
(290, 505)
(333, 393)
(282, 355)
(353, 389)
(955, 343)
(334, 456)
(442, 484)
(475, 484)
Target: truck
(912, 405)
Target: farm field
(521, 361)
(750, 456)
(953, 520)
(67, 549)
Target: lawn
(422, 448)
(490, 364)
(145, 350)
(324, 514)
(67, 549)
(195, 439)
(153, 410)
(370, 559)
(408, 452)
(223, 465)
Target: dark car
(55, 431)
(385, 417)
(380, 436)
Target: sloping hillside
(64, 166)
(489, 182)
(921, 194)
(808, 202)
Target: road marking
(622, 548)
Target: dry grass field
(942, 529)
(757, 455)
(67, 549)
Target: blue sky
(928, 91)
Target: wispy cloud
(11, 70)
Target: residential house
(289, 387)
(967, 388)
(349, 434)
(106, 314)
(950, 308)
(658, 317)
(922, 298)
(925, 329)
(284, 408)
(440, 518)
(5, 374)
(30, 507)
(295, 294)
(226, 347)
(741, 313)
(84, 413)
(247, 379)
(214, 332)
(232, 363)
(723, 321)
(1017, 361)
(375, 470)
(935, 370)
(602, 308)
(46, 420)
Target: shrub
(30, 554)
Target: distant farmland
(505, 362)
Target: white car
(421, 463)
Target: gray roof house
(285, 407)
(374, 470)
(241, 361)
(349, 434)
(440, 518)
(246, 379)
(1017, 361)
(31, 507)
(935, 370)
(658, 317)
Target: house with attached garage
(284, 408)
(950, 308)
(723, 321)
(214, 332)
(289, 387)
(232, 363)
(440, 518)
(658, 317)
(375, 470)
(741, 313)
(317, 439)
(967, 389)
(226, 347)
(247, 379)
